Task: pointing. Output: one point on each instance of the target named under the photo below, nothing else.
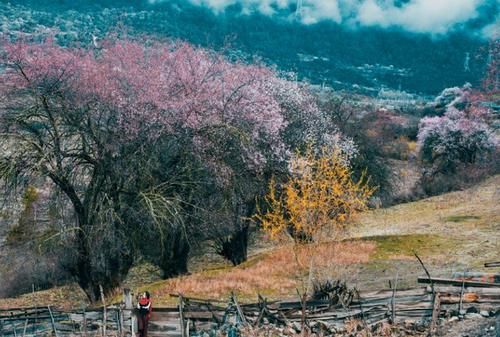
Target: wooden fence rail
(194, 315)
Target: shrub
(434, 183)
(318, 201)
(24, 229)
(459, 136)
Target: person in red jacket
(144, 308)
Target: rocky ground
(472, 327)
(469, 326)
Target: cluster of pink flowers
(161, 84)
(463, 132)
(299, 106)
(155, 88)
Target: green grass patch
(462, 218)
(216, 270)
(252, 261)
(404, 245)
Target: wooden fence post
(127, 299)
(52, 321)
(238, 308)
(36, 317)
(181, 315)
(426, 272)
(84, 323)
(435, 313)
(25, 326)
(104, 312)
(393, 300)
(120, 322)
(461, 295)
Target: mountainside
(453, 232)
(363, 59)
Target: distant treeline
(422, 63)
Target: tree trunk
(234, 247)
(95, 265)
(83, 271)
(89, 277)
(174, 259)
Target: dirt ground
(479, 327)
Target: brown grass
(450, 232)
(274, 274)
(65, 297)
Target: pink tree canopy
(462, 133)
(156, 88)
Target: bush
(23, 230)
(457, 137)
(22, 270)
(466, 175)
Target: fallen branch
(426, 271)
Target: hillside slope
(365, 59)
(453, 232)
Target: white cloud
(427, 16)
(321, 10)
(424, 16)
(492, 31)
(371, 13)
(216, 5)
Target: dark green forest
(359, 59)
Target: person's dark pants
(143, 321)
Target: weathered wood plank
(161, 316)
(457, 290)
(458, 283)
(435, 313)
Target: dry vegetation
(274, 274)
(469, 220)
(64, 297)
(451, 232)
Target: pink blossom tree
(461, 135)
(232, 205)
(100, 123)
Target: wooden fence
(202, 317)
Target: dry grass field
(453, 232)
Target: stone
(296, 326)
(484, 313)
(471, 310)
(473, 315)
(453, 319)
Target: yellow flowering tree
(318, 201)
